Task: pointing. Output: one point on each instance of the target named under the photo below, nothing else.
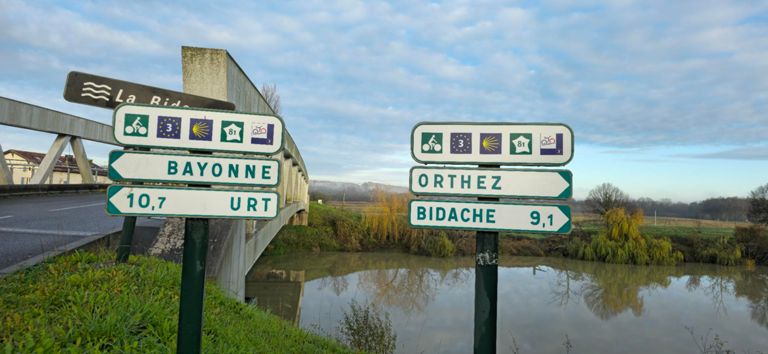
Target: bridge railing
(70, 130)
(214, 73)
(206, 72)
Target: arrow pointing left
(191, 202)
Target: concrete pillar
(5, 173)
(288, 182)
(302, 194)
(300, 187)
(44, 171)
(232, 272)
(297, 193)
(213, 73)
(281, 189)
(294, 179)
(205, 73)
(82, 160)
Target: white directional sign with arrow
(492, 182)
(195, 169)
(490, 216)
(191, 202)
(536, 144)
(197, 129)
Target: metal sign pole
(126, 239)
(192, 286)
(486, 286)
(129, 227)
(192, 282)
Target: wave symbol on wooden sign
(96, 91)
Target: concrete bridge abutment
(237, 244)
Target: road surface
(32, 225)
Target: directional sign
(197, 129)
(539, 144)
(491, 182)
(490, 216)
(195, 169)
(104, 92)
(191, 202)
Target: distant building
(23, 165)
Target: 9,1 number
(536, 219)
(144, 201)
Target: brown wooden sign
(108, 93)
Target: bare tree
(271, 96)
(606, 197)
(758, 205)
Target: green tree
(606, 197)
(621, 242)
(758, 205)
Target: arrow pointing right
(488, 182)
(539, 218)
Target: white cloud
(622, 74)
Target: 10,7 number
(144, 201)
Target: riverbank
(336, 229)
(83, 302)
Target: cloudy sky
(667, 99)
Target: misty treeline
(350, 195)
(726, 209)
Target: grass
(667, 227)
(82, 303)
(358, 207)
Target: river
(543, 303)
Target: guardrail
(13, 190)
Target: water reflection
(412, 284)
(409, 290)
(609, 290)
(278, 291)
(750, 285)
(408, 284)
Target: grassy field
(660, 227)
(83, 303)
(358, 207)
(668, 227)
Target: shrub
(621, 242)
(722, 250)
(438, 245)
(520, 247)
(754, 241)
(364, 328)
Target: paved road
(37, 224)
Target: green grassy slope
(82, 303)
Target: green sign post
(489, 145)
(486, 286)
(201, 132)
